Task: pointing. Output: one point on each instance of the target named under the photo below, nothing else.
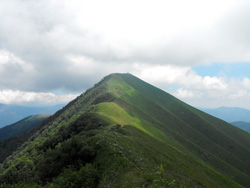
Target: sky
(53, 50)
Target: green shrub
(73, 152)
(87, 176)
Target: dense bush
(72, 153)
(87, 176)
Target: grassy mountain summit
(124, 132)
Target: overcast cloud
(53, 50)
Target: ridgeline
(124, 132)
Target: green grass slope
(210, 140)
(124, 132)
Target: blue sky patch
(232, 70)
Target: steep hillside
(10, 114)
(242, 125)
(13, 136)
(21, 126)
(210, 140)
(126, 133)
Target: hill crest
(148, 116)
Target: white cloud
(162, 74)
(171, 32)
(14, 72)
(178, 75)
(184, 94)
(246, 83)
(68, 45)
(194, 89)
(19, 97)
(214, 83)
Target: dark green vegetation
(127, 133)
(10, 114)
(242, 125)
(21, 126)
(13, 136)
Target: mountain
(13, 136)
(21, 126)
(124, 132)
(238, 117)
(229, 114)
(242, 125)
(10, 114)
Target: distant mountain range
(239, 117)
(124, 132)
(10, 114)
(242, 125)
(21, 126)
(14, 135)
(229, 114)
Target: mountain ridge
(123, 107)
(242, 125)
(21, 126)
(13, 136)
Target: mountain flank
(13, 136)
(21, 126)
(124, 132)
